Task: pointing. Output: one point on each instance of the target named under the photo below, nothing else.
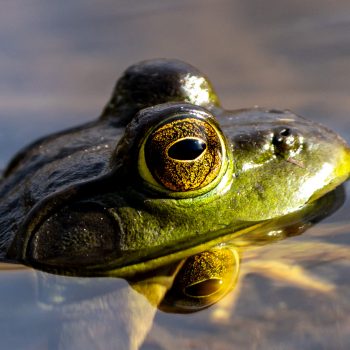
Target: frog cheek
(75, 237)
(203, 280)
(183, 157)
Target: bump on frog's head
(152, 82)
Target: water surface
(58, 65)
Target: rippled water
(58, 65)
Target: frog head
(174, 174)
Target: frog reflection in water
(163, 174)
(203, 279)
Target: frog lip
(136, 262)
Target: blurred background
(59, 61)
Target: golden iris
(184, 154)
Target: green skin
(83, 201)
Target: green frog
(164, 173)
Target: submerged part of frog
(163, 174)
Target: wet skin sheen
(164, 169)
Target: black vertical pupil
(187, 149)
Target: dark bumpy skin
(164, 169)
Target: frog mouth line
(53, 249)
(109, 260)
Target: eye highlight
(184, 153)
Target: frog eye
(182, 154)
(203, 280)
(286, 142)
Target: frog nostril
(187, 149)
(285, 132)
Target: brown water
(58, 65)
